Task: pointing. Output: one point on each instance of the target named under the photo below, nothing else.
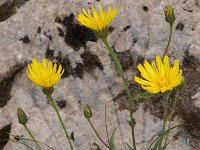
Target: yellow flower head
(43, 74)
(159, 76)
(98, 22)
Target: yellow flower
(44, 75)
(98, 22)
(159, 76)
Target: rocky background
(48, 28)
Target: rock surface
(140, 31)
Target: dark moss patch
(6, 11)
(61, 103)
(6, 85)
(68, 20)
(39, 29)
(145, 8)
(180, 26)
(4, 135)
(111, 29)
(66, 64)
(19, 3)
(79, 70)
(48, 35)
(25, 39)
(76, 35)
(126, 28)
(49, 53)
(60, 32)
(126, 60)
(91, 61)
(58, 19)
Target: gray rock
(146, 36)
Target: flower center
(163, 82)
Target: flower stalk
(169, 41)
(170, 18)
(53, 104)
(165, 118)
(31, 135)
(22, 118)
(126, 85)
(97, 134)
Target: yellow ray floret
(159, 76)
(43, 74)
(97, 21)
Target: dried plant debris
(4, 135)
(76, 35)
(8, 8)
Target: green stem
(172, 112)
(126, 85)
(31, 135)
(53, 104)
(169, 40)
(165, 106)
(97, 134)
(106, 124)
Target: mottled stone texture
(37, 28)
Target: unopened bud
(169, 14)
(21, 116)
(87, 111)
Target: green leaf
(144, 95)
(156, 144)
(157, 140)
(112, 144)
(164, 147)
(130, 148)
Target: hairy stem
(31, 135)
(53, 104)
(126, 86)
(97, 134)
(172, 112)
(165, 106)
(169, 40)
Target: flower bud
(169, 14)
(21, 116)
(87, 111)
(48, 91)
